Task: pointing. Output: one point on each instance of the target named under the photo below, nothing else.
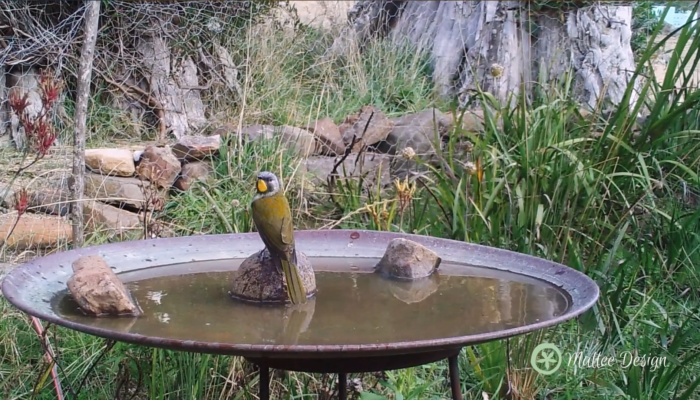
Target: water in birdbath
(352, 306)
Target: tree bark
(174, 84)
(92, 14)
(503, 47)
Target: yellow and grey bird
(273, 220)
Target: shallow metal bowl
(31, 286)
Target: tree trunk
(174, 85)
(92, 14)
(502, 47)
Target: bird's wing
(262, 224)
(275, 235)
(287, 231)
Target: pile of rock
(376, 143)
(121, 182)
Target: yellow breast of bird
(272, 217)
(271, 209)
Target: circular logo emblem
(546, 359)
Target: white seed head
(470, 168)
(496, 70)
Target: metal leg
(342, 386)
(264, 383)
(454, 378)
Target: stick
(334, 172)
(92, 14)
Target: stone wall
(123, 186)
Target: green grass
(593, 193)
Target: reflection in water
(349, 308)
(416, 290)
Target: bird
(273, 220)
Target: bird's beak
(262, 186)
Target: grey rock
(420, 131)
(301, 141)
(191, 148)
(377, 128)
(366, 165)
(5, 268)
(330, 140)
(159, 165)
(191, 172)
(52, 201)
(118, 190)
(406, 259)
(9, 200)
(101, 216)
(97, 289)
(260, 279)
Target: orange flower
(21, 201)
(44, 137)
(50, 89)
(18, 103)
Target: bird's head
(266, 185)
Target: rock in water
(97, 289)
(406, 259)
(260, 279)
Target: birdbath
(357, 321)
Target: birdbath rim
(30, 286)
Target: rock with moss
(259, 279)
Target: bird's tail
(295, 286)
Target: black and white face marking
(266, 185)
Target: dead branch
(92, 15)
